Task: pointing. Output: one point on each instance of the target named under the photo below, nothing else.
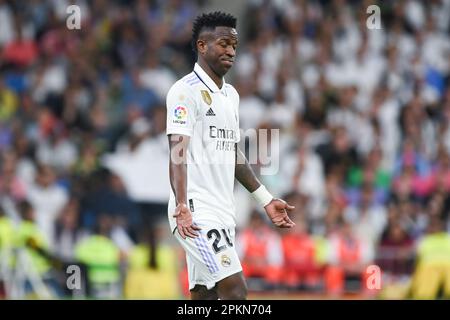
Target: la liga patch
(180, 115)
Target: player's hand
(184, 222)
(276, 210)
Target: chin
(226, 70)
(221, 71)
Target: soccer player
(203, 130)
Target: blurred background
(364, 120)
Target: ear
(202, 46)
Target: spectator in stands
(348, 259)
(339, 154)
(47, 198)
(371, 172)
(34, 252)
(260, 250)
(11, 185)
(68, 231)
(8, 103)
(141, 275)
(301, 268)
(6, 246)
(21, 52)
(57, 150)
(432, 274)
(441, 171)
(368, 217)
(395, 252)
(305, 171)
(102, 258)
(112, 198)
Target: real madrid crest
(225, 260)
(206, 97)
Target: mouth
(227, 62)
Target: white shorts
(211, 256)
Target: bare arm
(178, 145)
(244, 173)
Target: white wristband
(262, 195)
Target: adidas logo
(210, 112)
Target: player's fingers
(289, 221)
(278, 223)
(286, 224)
(181, 232)
(289, 207)
(277, 220)
(289, 225)
(195, 227)
(190, 233)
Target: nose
(231, 51)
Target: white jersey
(196, 107)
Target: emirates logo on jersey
(218, 133)
(225, 138)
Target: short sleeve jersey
(197, 108)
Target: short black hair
(210, 21)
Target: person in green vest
(30, 237)
(432, 274)
(6, 243)
(102, 257)
(32, 245)
(159, 280)
(6, 231)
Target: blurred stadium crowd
(364, 120)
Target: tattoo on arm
(244, 173)
(177, 166)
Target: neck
(210, 72)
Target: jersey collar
(207, 81)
